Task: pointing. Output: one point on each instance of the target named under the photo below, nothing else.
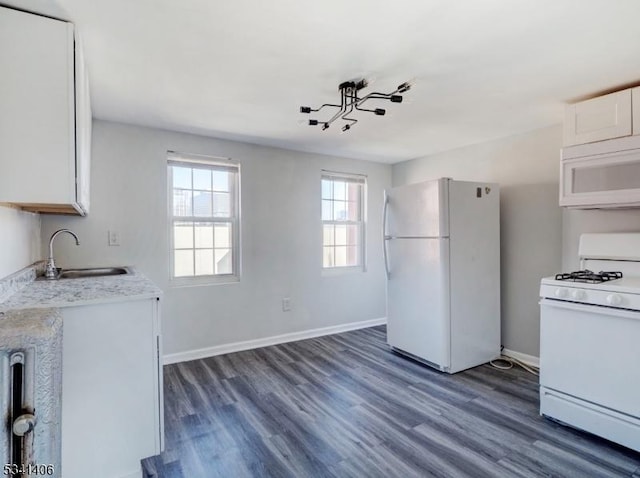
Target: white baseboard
(266, 341)
(527, 359)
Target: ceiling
(241, 69)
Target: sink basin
(91, 272)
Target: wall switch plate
(286, 304)
(114, 238)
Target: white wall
(527, 168)
(281, 237)
(19, 240)
(576, 222)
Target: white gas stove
(623, 293)
(590, 340)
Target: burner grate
(589, 276)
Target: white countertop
(15, 325)
(86, 291)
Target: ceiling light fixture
(350, 101)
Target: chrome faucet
(50, 270)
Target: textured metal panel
(38, 334)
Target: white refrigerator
(442, 258)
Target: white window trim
(190, 159)
(362, 267)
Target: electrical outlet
(114, 238)
(286, 304)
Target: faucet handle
(50, 269)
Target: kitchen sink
(90, 272)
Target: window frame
(360, 179)
(210, 163)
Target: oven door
(592, 353)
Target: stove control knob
(614, 299)
(578, 294)
(561, 293)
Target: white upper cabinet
(598, 119)
(600, 165)
(45, 118)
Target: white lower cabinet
(112, 413)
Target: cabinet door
(37, 133)
(635, 101)
(605, 180)
(110, 409)
(83, 128)
(598, 119)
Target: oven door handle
(591, 308)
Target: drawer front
(613, 426)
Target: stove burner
(589, 276)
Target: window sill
(339, 271)
(198, 281)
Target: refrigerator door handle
(385, 237)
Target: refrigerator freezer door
(418, 299)
(418, 210)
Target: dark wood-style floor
(346, 406)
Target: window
(343, 220)
(204, 212)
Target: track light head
(346, 127)
(305, 109)
(396, 99)
(325, 126)
(379, 111)
(313, 122)
(363, 83)
(346, 84)
(406, 86)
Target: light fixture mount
(350, 101)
